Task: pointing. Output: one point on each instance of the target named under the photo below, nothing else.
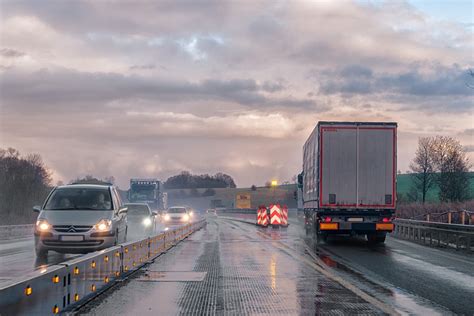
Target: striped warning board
(275, 215)
(284, 216)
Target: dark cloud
(441, 81)
(95, 89)
(11, 53)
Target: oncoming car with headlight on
(80, 218)
(141, 218)
(177, 215)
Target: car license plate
(72, 238)
(355, 219)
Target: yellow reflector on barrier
(106, 279)
(76, 270)
(93, 264)
(125, 268)
(76, 297)
(117, 254)
(93, 287)
(106, 259)
(384, 226)
(126, 250)
(117, 273)
(55, 279)
(28, 290)
(328, 226)
(55, 309)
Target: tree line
(186, 180)
(24, 181)
(440, 161)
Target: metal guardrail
(16, 231)
(63, 287)
(450, 217)
(456, 236)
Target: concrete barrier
(66, 286)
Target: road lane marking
(329, 274)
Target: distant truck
(148, 191)
(349, 179)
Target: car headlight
(167, 217)
(147, 222)
(103, 225)
(191, 214)
(185, 217)
(42, 225)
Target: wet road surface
(412, 278)
(17, 256)
(247, 270)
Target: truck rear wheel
(376, 238)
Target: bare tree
(422, 167)
(453, 165)
(24, 182)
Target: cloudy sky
(142, 88)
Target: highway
(17, 256)
(234, 267)
(252, 270)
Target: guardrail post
(449, 217)
(463, 217)
(427, 217)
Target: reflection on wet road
(412, 278)
(248, 271)
(17, 257)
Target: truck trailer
(349, 179)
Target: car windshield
(80, 199)
(137, 210)
(177, 210)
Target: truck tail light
(327, 219)
(386, 220)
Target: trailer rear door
(376, 167)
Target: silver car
(177, 215)
(80, 218)
(141, 218)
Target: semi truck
(148, 191)
(349, 179)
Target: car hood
(78, 217)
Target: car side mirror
(123, 210)
(37, 208)
(155, 213)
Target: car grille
(72, 228)
(88, 243)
